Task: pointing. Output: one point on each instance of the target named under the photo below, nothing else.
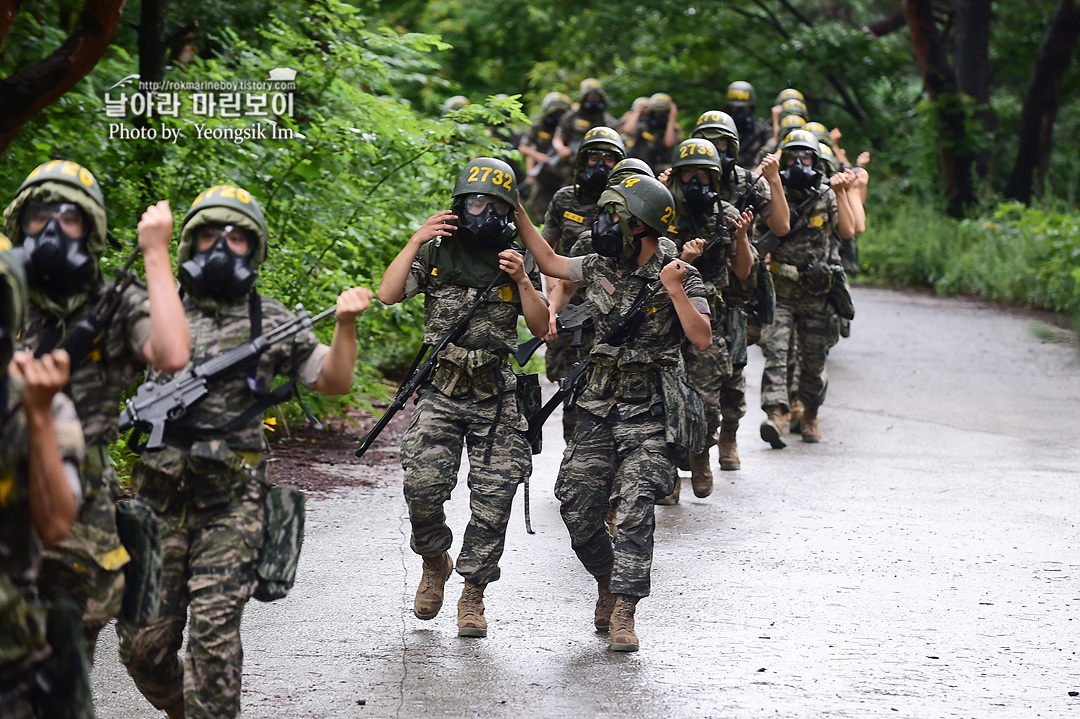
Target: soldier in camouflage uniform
(571, 212)
(471, 397)
(41, 447)
(802, 275)
(754, 134)
(741, 188)
(711, 234)
(592, 111)
(540, 156)
(60, 204)
(208, 483)
(620, 447)
(656, 133)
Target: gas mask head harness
(54, 246)
(483, 221)
(220, 265)
(616, 233)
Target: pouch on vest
(684, 411)
(736, 335)
(63, 682)
(23, 638)
(601, 372)
(284, 530)
(840, 294)
(764, 301)
(214, 472)
(137, 526)
(530, 402)
(816, 279)
(636, 382)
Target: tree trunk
(152, 45)
(25, 93)
(1041, 100)
(973, 64)
(954, 157)
(8, 10)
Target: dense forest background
(969, 107)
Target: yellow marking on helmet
(573, 216)
(668, 213)
(738, 94)
(69, 168)
(631, 181)
(5, 243)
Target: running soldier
(540, 156)
(754, 134)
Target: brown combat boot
(772, 429)
(470, 611)
(176, 711)
(810, 432)
(729, 451)
(700, 474)
(429, 595)
(605, 603)
(672, 498)
(795, 422)
(623, 638)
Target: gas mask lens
(596, 157)
(68, 216)
(476, 204)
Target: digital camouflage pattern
(87, 565)
(627, 376)
(760, 198)
(208, 486)
(480, 411)
(209, 558)
(23, 640)
(800, 268)
(284, 539)
(620, 449)
(609, 460)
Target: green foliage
(1020, 255)
(341, 197)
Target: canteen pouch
(601, 372)
(684, 411)
(284, 531)
(816, 279)
(461, 373)
(736, 336)
(137, 525)
(530, 402)
(636, 382)
(764, 300)
(840, 294)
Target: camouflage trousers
(499, 459)
(16, 697)
(708, 371)
(807, 319)
(560, 358)
(88, 566)
(614, 459)
(209, 558)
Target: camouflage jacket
(809, 242)
(752, 148)
(212, 334)
(20, 550)
(648, 145)
(539, 136)
(760, 197)
(567, 217)
(99, 380)
(493, 327)
(627, 377)
(714, 268)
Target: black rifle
(154, 405)
(80, 341)
(769, 241)
(743, 200)
(573, 384)
(574, 319)
(418, 373)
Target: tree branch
(884, 26)
(8, 10)
(26, 93)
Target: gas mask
(658, 120)
(218, 272)
(593, 106)
(483, 222)
(613, 238)
(800, 177)
(551, 120)
(700, 198)
(593, 180)
(727, 166)
(56, 259)
(744, 120)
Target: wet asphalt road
(920, 562)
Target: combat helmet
(645, 199)
(715, 124)
(454, 103)
(628, 168)
(796, 175)
(828, 158)
(61, 181)
(788, 124)
(794, 106)
(789, 94)
(695, 152)
(741, 94)
(554, 101)
(660, 101)
(487, 176)
(224, 205)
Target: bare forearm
(694, 324)
(52, 504)
(337, 372)
(779, 212)
(392, 287)
(169, 345)
(743, 261)
(533, 308)
(550, 264)
(845, 223)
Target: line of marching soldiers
(656, 284)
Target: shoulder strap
(255, 317)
